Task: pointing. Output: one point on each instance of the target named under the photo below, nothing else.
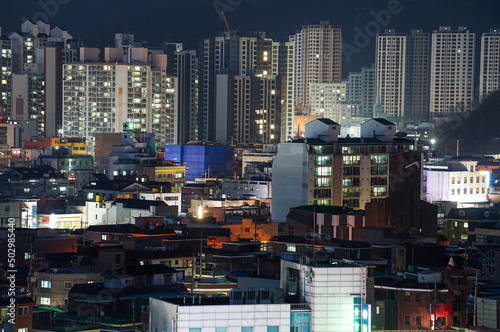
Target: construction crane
(225, 21)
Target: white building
(241, 188)
(318, 58)
(458, 181)
(121, 211)
(489, 72)
(325, 98)
(452, 71)
(390, 68)
(330, 299)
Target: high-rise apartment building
(489, 72)
(249, 108)
(114, 97)
(417, 75)
(53, 62)
(36, 59)
(353, 92)
(263, 54)
(28, 44)
(5, 75)
(286, 72)
(368, 85)
(222, 58)
(452, 71)
(390, 68)
(326, 98)
(257, 109)
(185, 69)
(318, 59)
(361, 91)
(217, 54)
(28, 102)
(181, 64)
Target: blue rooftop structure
(214, 161)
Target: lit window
(45, 284)
(45, 300)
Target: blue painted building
(214, 161)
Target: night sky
(94, 22)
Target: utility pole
(475, 302)
(192, 273)
(30, 286)
(201, 255)
(272, 245)
(133, 313)
(458, 147)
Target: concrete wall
(289, 179)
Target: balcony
(378, 181)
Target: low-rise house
(141, 275)
(124, 211)
(33, 244)
(25, 182)
(53, 285)
(473, 225)
(23, 310)
(421, 301)
(245, 228)
(100, 259)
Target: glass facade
(300, 322)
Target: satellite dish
(102, 313)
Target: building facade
(110, 97)
(318, 59)
(458, 181)
(325, 169)
(489, 71)
(452, 71)
(390, 68)
(417, 75)
(6, 75)
(328, 298)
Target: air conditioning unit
(250, 296)
(264, 296)
(236, 296)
